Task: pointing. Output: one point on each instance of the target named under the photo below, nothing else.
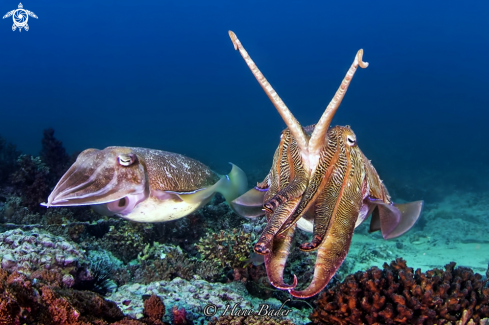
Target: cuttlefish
(143, 185)
(321, 182)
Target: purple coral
(29, 251)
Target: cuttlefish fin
(230, 186)
(250, 204)
(393, 220)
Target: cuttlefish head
(116, 176)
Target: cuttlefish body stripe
(285, 192)
(342, 199)
(141, 184)
(292, 181)
(319, 179)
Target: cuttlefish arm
(142, 184)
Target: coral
(14, 212)
(126, 239)
(179, 316)
(397, 295)
(209, 271)
(30, 251)
(103, 266)
(36, 302)
(230, 249)
(23, 301)
(54, 156)
(154, 309)
(218, 209)
(256, 280)
(193, 296)
(8, 158)
(30, 180)
(164, 262)
(249, 320)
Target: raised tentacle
(318, 137)
(275, 261)
(282, 109)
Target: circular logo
(20, 17)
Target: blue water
(164, 74)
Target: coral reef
(30, 251)
(154, 310)
(14, 212)
(54, 155)
(180, 316)
(397, 295)
(126, 239)
(30, 180)
(164, 262)
(193, 296)
(231, 248)
(36, 302)
(103, 266)
(23, 301)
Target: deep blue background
(164, 74)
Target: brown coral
(154, 309)
(23, 301)
(175, 264)
(397, 295)
(227, 248)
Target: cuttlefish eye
(351, 140)
(127, 159)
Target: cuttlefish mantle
(143, 185)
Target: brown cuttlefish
(143, 185)
(321, 182)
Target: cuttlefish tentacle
(342, 192)
(318, 136)
(290, 120)
(342, 199)
(265, 242)
(275, 261)
(331, 253)
(319, 180)
(288, 183)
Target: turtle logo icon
(20, 17)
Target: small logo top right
(20, 17)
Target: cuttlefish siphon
(143, 185)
